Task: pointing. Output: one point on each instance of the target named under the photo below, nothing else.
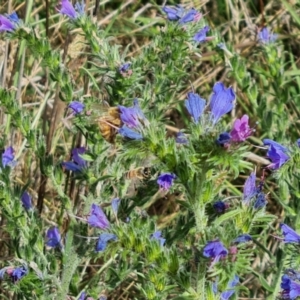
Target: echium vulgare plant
(128, 181)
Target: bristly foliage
(177, 231)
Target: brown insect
(140, 173)
(109, 121)
(137, 177)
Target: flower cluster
(133, 120)
(221, 102)
(178, 13)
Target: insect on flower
(108, 120)
(120, 119)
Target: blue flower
(157, 236)
(13, 17)
(181, 138)
(291, 289)
(165, 180)
(115, 205)
(200, 36)
(260, 201)
(224, 139)
(77, 107)
(250, 189)
(276, 153)
(290, 236)
(53, 237)
(8, 157)
(124, 67)
(173, 13)
(220, 207)
(97, 217)
(26, 200)
(298, 142)
(18, 273)
(243, 238)
(266, 37)
(79, 7)
(227, 294)
(190, 16)
(104, 238)
(78, 163)
(215, 249)
(221, 101)
(195, 106)
(129, 133)
(268, 142)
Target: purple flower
(165, 180)
(157, 236)
(220, 206)
(181, 138)
(173, 13)
(221, 101)
(190, 16)
(291, 289)
(8, 23)
(132, 116)
(260, 201)
(195, 106)
(77, 107)
(68, 9)
(26, 200)
(250, 189)
(227, 294)
(129, 133)
(18, 273)
(266, 37)
(200, 36)
(53, 237)
(290, 236)
(78, 163)
(124, 67)
(276, 153)
(8, 157)
(243, 238)
(215, 249)
(298, 142)
(104, 238)
(241, 129)
(97, 217)
(115, 205)
(224, 139)
(83, 296)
